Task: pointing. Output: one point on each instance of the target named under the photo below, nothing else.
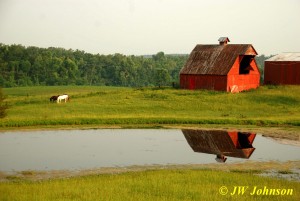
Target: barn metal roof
(295, 56)
(215, 59)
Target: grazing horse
(64, 97)
(53, 98)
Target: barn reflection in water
(221, 143)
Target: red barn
(223, 67)
(232, 144)
(283, 69)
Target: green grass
(147, 185)
(92, 105)
(30, 106)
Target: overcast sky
(149, 26)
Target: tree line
(32, 66)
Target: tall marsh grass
(30, 106)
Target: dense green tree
(3, 105)
(162, 77)
(27, 66)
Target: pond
(86, 149)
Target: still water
(85, 149)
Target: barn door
(192, 82)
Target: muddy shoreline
(284, 170)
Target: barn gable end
(251, 51)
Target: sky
(140, 27)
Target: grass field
(151, 185)
(92, 105)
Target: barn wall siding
(242, 82)
(210, 82)
(282, 72)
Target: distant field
(92, 105)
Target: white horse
(64, 97)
